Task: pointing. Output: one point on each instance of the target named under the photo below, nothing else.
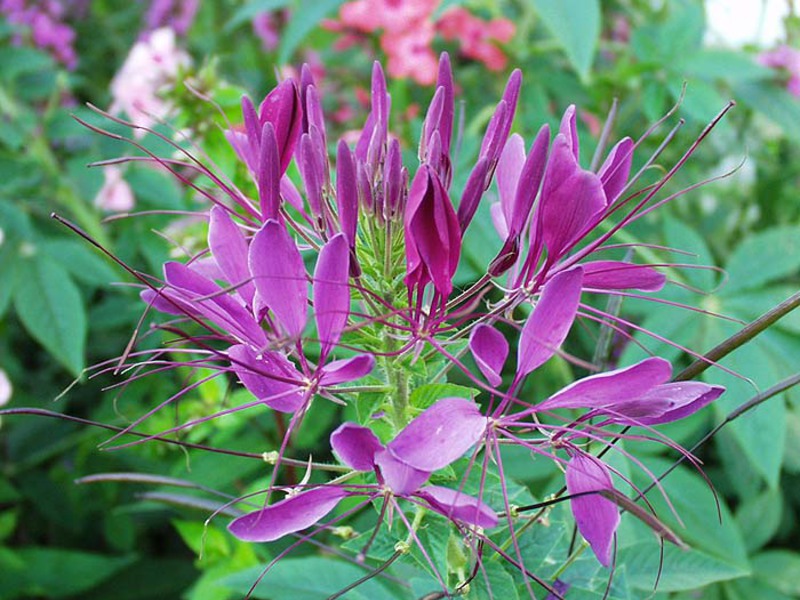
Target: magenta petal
(445, 81)
(292, 514)
(509, 168)
(282, 109)
(268, 175)
(618, 275)
(346, 192)
(459, 506)
(441, 434)
(356, 446)
(489, 349)
(550, 321)
(611, 388)
(683, 399)
(571, 200)
(280, 276)
(399, 476)
(569, 130)
(331, 291)
(269, 376)
(530, 179)
(229, 249)
(596, 516)
(616, 169)
(347, 369)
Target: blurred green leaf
(50, 306)
(779, 569)
(760, 516)
(764, 257)
(575, 24)
(775, 103)
(81, 261)
(253, 8)
(715, 64)
(306, 15)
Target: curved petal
(331, 291)
(440, 435)
(400, 477)
(489, 349)
(596, 516)
(620, 275)
(294, 513)
(347, 369)
(612, 388)
(229, 248)
(282, 109)
(550, 321)
(280, 276)
(269, 376)
(616, 169)
(509, 168)
(459, 506)
(356, 446)
(682, 398)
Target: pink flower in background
(477, 36)
(115, 195)
(265, 26)
(786, 58)
(151, 66)
(44, 22)
(407, 29)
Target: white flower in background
(5, 388)
(115, 195)
(151, 66)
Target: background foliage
(59, 313)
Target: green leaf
(575, 24)
(50, 306)
(58, 573)
(760, 516)
(775, 103)
(763, 257)
(9, 258)
(307, 14)
(701, 101)
(81, 261)
(682, 237)
(250, 9)
(308, 578)
(780, 569)
(715, 64)
(682, 569)
(493, 582)
(426, 395)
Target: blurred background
(180, 67)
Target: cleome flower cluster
(335, 280)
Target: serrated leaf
(428, 394)
(575, 24)
(50, 307)
(764, 257)
(306, 16)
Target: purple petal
(571, 201)
(530, 179)
(292, 514)
(312, 175)
(459, 506)
(551, 319)
(393, 180)
(331, 291)
(619, 275)
(445, 81)
(268, 175)
(347, 369)
(682, 398)
(241, 145)
(611, 388)
(204, 297)
(596, 516)
(616, 169)
(490, 349)
(269, 376)
(439, 435)
(282, 109)
(569, 130)
(229, 249)
(473, 192)
(499, 220)
(356, 446)
(279, 276)
(509, 168)
(399, 476)
(346, 192)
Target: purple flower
(437, 437)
